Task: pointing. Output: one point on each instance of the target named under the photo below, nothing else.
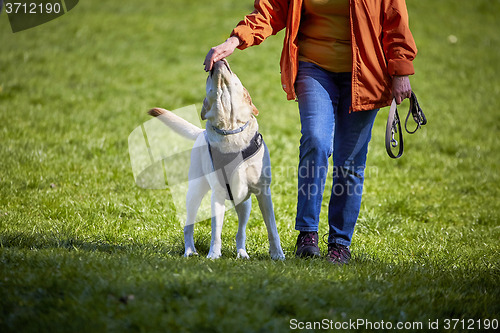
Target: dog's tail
(176, 123)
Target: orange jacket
(382, 44)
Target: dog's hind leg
(218, 210)
(266, 207)
(196, 191)
(243, 210)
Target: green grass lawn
(82, 248)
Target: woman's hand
(401, 88)
(220, 52)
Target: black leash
(393, 126)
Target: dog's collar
(229, 132)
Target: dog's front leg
(197, 189)
(266, 207)
(218, 208)
(243, 211)
(189, 249)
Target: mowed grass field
(83, 249)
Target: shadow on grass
(38, 241)
(151, 287)
(170, 246)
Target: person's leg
(316, 97)
(351, 138)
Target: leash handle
(393, 125)
(392, 128)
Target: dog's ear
(248, 99)
(204, 109)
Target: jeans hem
(339, 241)
(306, 229)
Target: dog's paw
(242, 254)
(213, 255)
(190, 252)
(277, 255)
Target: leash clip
(394, 130)
(394, 142)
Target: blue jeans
(329, 128)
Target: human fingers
(220, 52)
(215, 54)
(402, 94)
(401, 88)
(208, 63)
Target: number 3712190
(32, 8)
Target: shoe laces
(338, 252)
(308, 238)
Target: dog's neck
(236, 141)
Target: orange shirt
(325, 35)
(381, 43)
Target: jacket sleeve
(268, 18)
(398, 43)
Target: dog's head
(227, 102)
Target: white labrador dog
(232, 147)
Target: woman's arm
(220, 52)
(397, 40)
(399, 47)
(268, 18)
